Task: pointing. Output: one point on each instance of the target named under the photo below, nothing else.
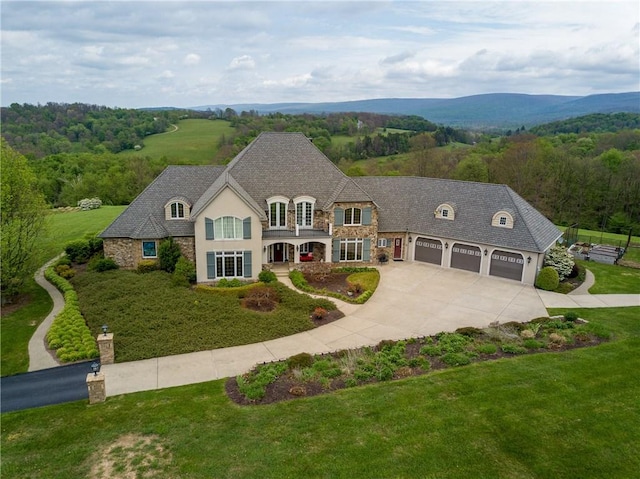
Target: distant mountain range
(494, 110)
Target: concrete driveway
(412, 300)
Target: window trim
(383, 242)
(237, 258)
(155, 249)
(352, 215)
(220, 229)
(358, 248)
(281, 205)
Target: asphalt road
(44, 387)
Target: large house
(281, 200)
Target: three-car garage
(503, 264)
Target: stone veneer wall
(361, 231)
(127, 252)
(388, 250)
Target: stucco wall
(227, 203)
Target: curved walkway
(39, 356)
(413, 299)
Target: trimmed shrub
(547, 279)
(319, 313)
(487, 348)
(469, 331)
(102, 265)
(65, 271)
(169, 253)
(513, 349)
(95, 245)
(570, 316)
(86, 204)
(147, 266)
(533, 344)
(267, 276)
(78, 251)
(456, 359)
(184, 273)
(300, 361)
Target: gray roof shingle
(144, 217)
(408, 204)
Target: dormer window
(445, 211)
(503, 219)
(177, 209)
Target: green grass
(598, 237)
(19, 326)
(613, 279)
(151, 318)
(63, 227)
(555, 415)
(195, 142)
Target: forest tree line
(590, 178)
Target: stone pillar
(105, 345)
(96, 387)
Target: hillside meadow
(190, 141)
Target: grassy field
(613, 279)
(552, 415)
(69, 226)
(194, 142)
(19, 326)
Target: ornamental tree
(561, 260)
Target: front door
(278, 252)
(397, 248)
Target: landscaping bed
(353, 285)
(306, 375)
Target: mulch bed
(286, 387)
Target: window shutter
(246, 228)
(246, 264)
(335, 252)
(208, 229)
(339, 216)
(366, 216)
(211, 265)
(366, 249)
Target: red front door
(397, 249)
(278, 252)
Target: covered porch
(285, 246)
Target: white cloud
(244, 62)
(144, 52)
(191, 59)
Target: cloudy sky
(190, 53)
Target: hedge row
(69, 334)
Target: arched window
(352, 216)
(278, 212)
(503, 219)
(177, 208)
(304, 211)
(445, 211)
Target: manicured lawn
(613, 279)
(568, 415)
(150, 317)
(69, 226)
(195, 142)
(19, 326)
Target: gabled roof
(288, 164)
(408, 204)
(145, 215)
(223, 181)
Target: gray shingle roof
(288, 164)
(144, 217)
(408, 203)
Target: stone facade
(127, 252)
(358, 231)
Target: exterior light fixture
(410, 239)
(486, 251)
(446, 245)
(95, 367)
(529, 260)
(104, 329)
